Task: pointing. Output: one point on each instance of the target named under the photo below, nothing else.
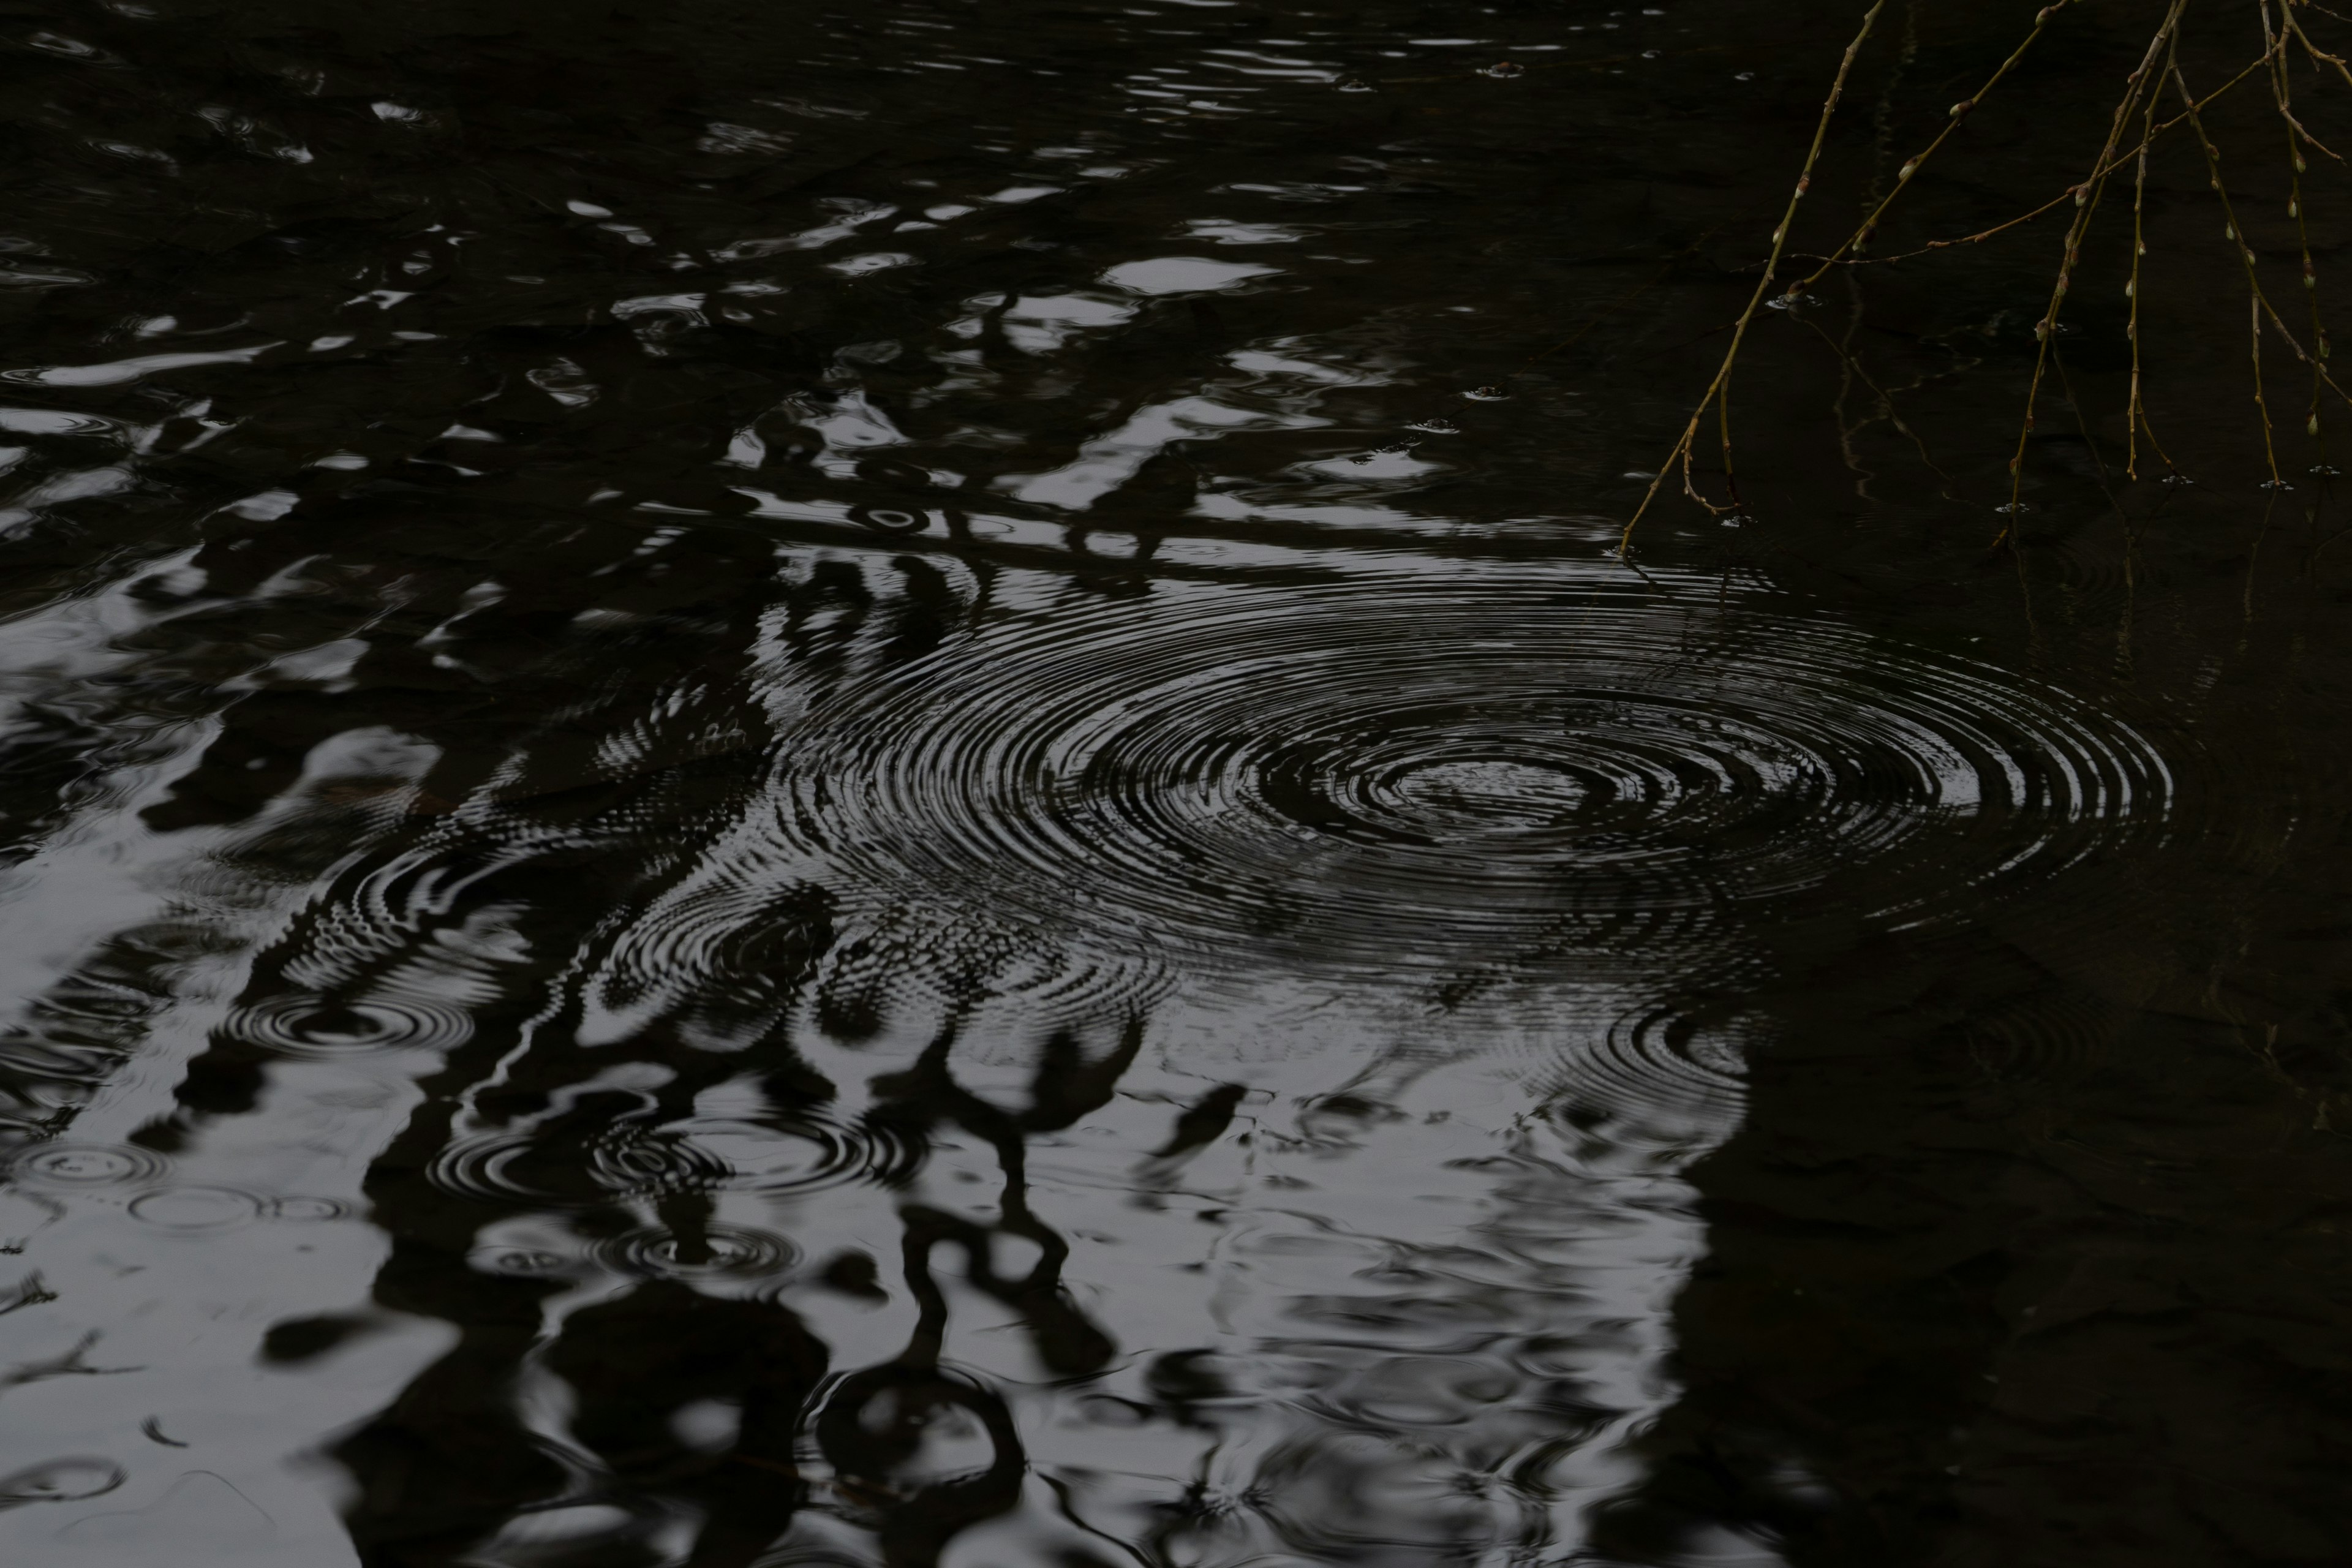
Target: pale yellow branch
(2086, 201)
(1721, 386)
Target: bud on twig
(1962, 107)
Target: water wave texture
(1439, 775)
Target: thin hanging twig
(1959, 114)
(2256, 302)
(2161, 64)
(2136, 418)
(2282, 89)
(2086, 203)
(1719, 389)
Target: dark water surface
(829, 783)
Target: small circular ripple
(317, 1027)
(2045, 1040)
(804, 1155)
(83, 1167)
(633, 1160)
(194, 1210)
(1432, 774)
(715, 1252)
(60, 1480)
(625, 1159)
(1662, 1069)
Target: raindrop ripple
(306, 1025)
(83, 1167)
(632, 1160)
(1403, 774)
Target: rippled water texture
(876, 785)
(1554, 773)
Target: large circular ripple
(1441, 774)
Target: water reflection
(977, 1061)
(1484, 772)
(869, 788)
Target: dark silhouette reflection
(452, 1463)
(455, 1461)
(1963, 1303)
(875, 1431)
(867, 785)
(1066, 1087)
(636, 1362)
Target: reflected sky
(875, 787)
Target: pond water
(877, 785)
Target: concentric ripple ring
(1419, 772)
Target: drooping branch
(1719, 389)
(2161, 64)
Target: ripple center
(1483, 795)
